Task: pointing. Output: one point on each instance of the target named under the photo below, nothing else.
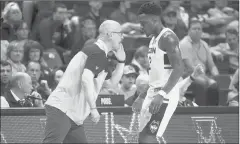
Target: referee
(75, 96)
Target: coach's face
(147, 24)
(116, 37)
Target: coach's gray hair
(107, 26)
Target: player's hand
(126, 27)
(95, 117)
(137, 105)
(198, 70)
(156, 104)
(120, 53)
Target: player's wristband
(163, 93)
(192, 78)
(121, 61)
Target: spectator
(233, 25)
(56, 77)
(11, 16)
(181, 11)
(229, 50)
(140, 59)
(233, 95)
(4, 47)
(50, 31)
(41, 86)
(15, 56)
(195, 51)
(88, 31)
(6, 74)
(89, 28)
(94, 13)
(35, 11)
(142, 84)
(126, 85)
(22, 31)
(123, 14)
(171, 21)
(73, 36)
(220, 16)
(197, 11)
(20, 89)
(185, 83)
(34, 52)
(52, 34)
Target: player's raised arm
(171, 45)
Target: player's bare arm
(170, 44)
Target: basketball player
(166, 68)
(75, 96)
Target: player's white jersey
(160, 68)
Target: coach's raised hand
(120, 54)
(95, 117)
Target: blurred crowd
(39, 38)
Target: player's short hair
(150, 8)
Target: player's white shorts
(171, 107)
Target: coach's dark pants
(61, 129)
